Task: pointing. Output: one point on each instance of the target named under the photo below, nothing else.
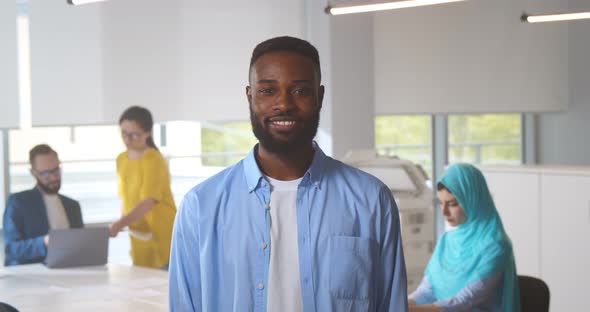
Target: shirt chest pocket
(352, 268)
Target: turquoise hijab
(477, 249)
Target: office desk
(113, 287)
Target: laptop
(77, 247)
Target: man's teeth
(284, 123)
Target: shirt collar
(251, 170)
(313, 174)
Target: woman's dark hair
(143, 118)
(440, 187)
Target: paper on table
(144, 236)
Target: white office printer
(414, 198)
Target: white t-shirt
(56, 213)
(284, 289)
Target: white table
(113, 287)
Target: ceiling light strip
(555, 17)
(383, 6)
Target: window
(485, 139)
(182, 150)
(226, 143)
(405, 136)
(194, 151)
(87, 156)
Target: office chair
(7, 308)
(534, 294)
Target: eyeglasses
(47, 173)
(131, 136)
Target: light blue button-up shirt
(350, 252)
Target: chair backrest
(534, 294)
(4, 307)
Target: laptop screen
(77, 247)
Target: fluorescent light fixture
(362, 8)
(555, 17)
(79, 2)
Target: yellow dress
(148, 177)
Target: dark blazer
(25, 224)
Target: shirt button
(266, 206)
(263, 245)
(260, 286)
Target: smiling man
(29, 215)
(287, 228)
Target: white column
(345, 44)
(318, 32)
(5, 176)
(353, 108)
(8, 65)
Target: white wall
(474, 56)
(183, 59)
(563, 136)
(217, 42)
(66, 59)
(353, 108)
(141, 48)
(345, 44)
(318, 31)
(188, 60)
(8, 70)
(4, 176)
(200, 70)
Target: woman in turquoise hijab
(472, 267)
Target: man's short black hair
(41, 149)
(287, 44)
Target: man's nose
(54, 177)
(284, 102)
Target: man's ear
(249, 94)
(321, 96)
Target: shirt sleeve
(19, 249)
(472, 295)
(185, 265)
(154, 179)
(423, 294)
(392, 291)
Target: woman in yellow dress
(144, 188)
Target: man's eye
(266, 91)
(301, 91)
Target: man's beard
(285, 147)
(49, 189)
